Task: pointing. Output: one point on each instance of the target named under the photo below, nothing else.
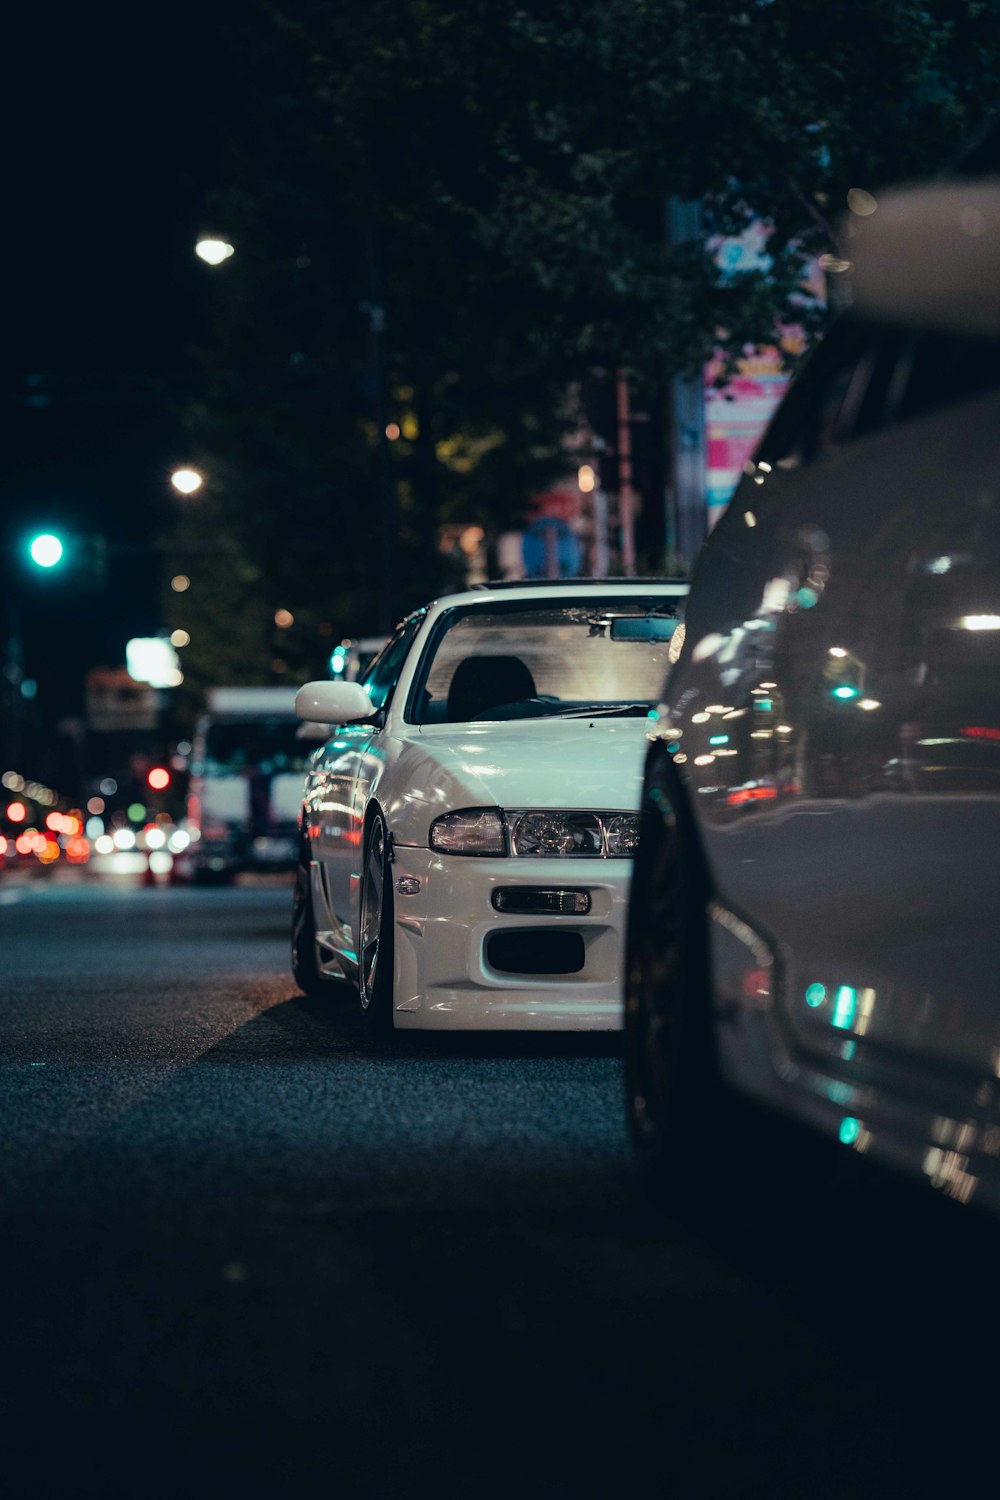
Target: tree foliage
(489, 185)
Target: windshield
(266, 746)
(545, 659)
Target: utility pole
(626, 494)
(386, 489)
(686, 521)
(601, 563)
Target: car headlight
(621, 835)
(558, 833)
(473, 830)
(531, 833)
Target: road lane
(241, 1248)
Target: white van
(246, 778)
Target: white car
(467, 832)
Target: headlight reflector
(558, 833)
(621, 834)
(473, 830)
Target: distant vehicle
(467, 831)
(813, 925)
(246, 777)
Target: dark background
(451, 163)
(114, 120)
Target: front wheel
(375, 949)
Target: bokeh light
(213, 251)
(46, 550)
(187, 481)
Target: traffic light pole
(13, 670)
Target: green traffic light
(46, 550)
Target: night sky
(115, 116)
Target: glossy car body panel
(834, 726)
(829, 737)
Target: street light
(213, 251)
(187, 481)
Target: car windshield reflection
(600, 658)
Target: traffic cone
(148, 878)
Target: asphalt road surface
(243, 1254)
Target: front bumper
(444, 978)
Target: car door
(343, 775)
(837, 700)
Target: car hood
(559, 763)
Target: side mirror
(333, 703)
(929, 257)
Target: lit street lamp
(187, 481)
(213, 252)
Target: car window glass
(840, 394)
(382, 674)
(862, 379)
(938, 368)
(538, 659)
(269, 746)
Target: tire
(305, 968)
(695, 1142)
(375, 936)
(676, 1110)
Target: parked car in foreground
(467, 831)
(814, 923)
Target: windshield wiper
(602, 711)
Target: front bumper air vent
(540, 951)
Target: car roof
(534, 583)
(548, 589)
(560, 588)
